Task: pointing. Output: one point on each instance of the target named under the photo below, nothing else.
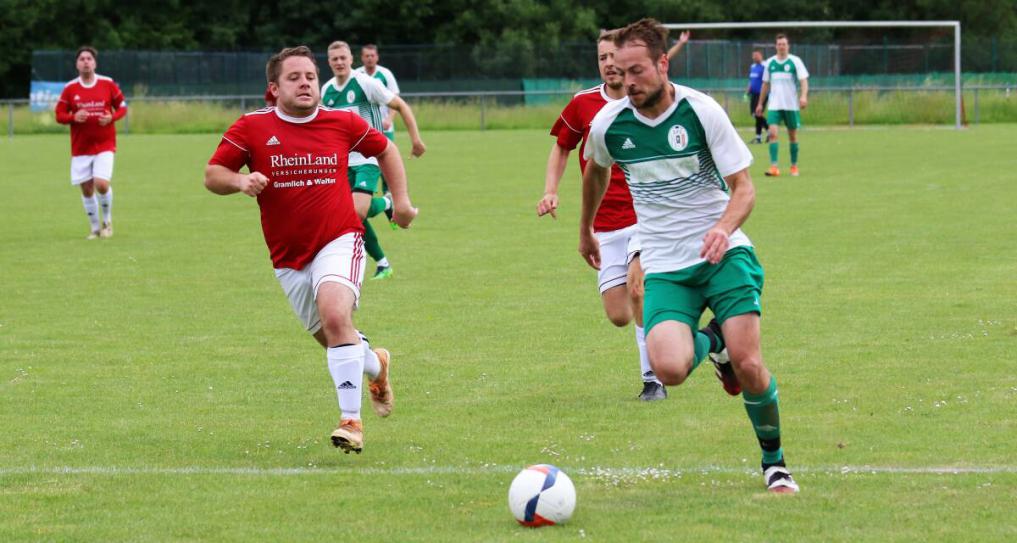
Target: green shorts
(729, 288)
(390, 134)
(364, 178)
(792, 118)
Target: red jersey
(307, 202)
(102, 96)
(616, 211)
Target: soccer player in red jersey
(297, 154)
(620, 275)
(91, 104)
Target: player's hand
(803, 102)
(548, 204)
(386, 124)
(403, 213)
(418, 148)
(759, 111)
(252, 184)
(684, 37)
(589, 248)
(715, 244)
(80, 116)
(634, 278)
(105, 118)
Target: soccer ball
(542, 495)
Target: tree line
(511, 27)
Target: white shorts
(88, 167)
(341, 261)
(615, 256)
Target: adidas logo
(272, 141)
(628, 144)
(346, 385)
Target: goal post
(955, 25)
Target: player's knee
(619, 318)
(336, 325)
(750, 370)
(670, 372)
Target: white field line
(594, 472)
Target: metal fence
(476, 109)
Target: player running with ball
(687, 170)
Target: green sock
(773, 152)
(794, 153)
(702, 348)
(765, 417)
(371, 242)
(377, 206)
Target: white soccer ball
(542, 495)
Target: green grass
(165, 369)
(826, 108)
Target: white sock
(371, 365)
(644, 358)
(346, 364)
(92, 210)
(383, 263)
(106, 203)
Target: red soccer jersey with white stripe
(307, 202)
(616, 211)
(102, 96)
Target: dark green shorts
(729, 288)
(364, 178)
(791, 118)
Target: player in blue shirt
(755, 86)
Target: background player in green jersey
(365, 96)
(783, 74)
(369, 58)
(687, 170)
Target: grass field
(156, 386)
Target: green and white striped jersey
(783, 77)
(386, 77)
(361, 95)
(675, 167)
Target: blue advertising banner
(43, 95)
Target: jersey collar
(663, 116)
(298, 120)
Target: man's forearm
(556, 164)
(743, 199)
(595, 180)
(221, 180)
(391, 166)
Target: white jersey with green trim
(386, 77)
(675, 166)
(362, 95)
(783, 77)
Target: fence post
(483, 111)
(10, 120)
(976, 106)
(243, 104)
(851, 107)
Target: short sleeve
(116, 96)
(766, 71)
(803, 72)
(568, 128)
(364, 139)
(375, 91)
(233, 151)
(729, 152)
(596, 144)
(391, 82)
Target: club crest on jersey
(351, 96)
(787, 67)
(678, 137)
(272, 141)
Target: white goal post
(856, 24)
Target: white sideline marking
(608, 472)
